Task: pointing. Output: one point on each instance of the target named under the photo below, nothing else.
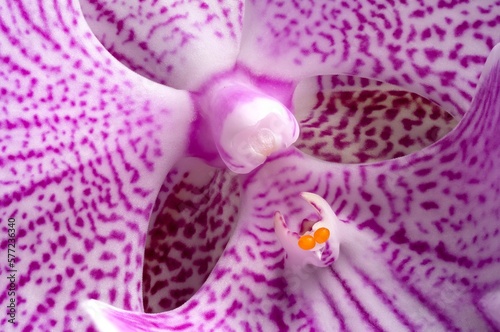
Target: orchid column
(246, 124)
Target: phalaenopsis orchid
(229, 165)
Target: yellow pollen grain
(321, 235)
(306, 242)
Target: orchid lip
(320, 245)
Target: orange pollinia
(321, 235)
(307, 242)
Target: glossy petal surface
(418, 249)
(421, 46)
(86, 144)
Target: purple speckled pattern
(419, 249)
(179, 43)
(194, 216)
(347, 119)
(421, 46)
(84, 144)
(93, 168)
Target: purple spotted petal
(418, 247)
(348, 119)
(180, 43)
(433, 48)
(192, 221)
(85, 145)
(88, 144)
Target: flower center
(263, 142)
(246, 124)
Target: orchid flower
(163, 161)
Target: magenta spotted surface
(87, 144)
(82, 154)
(432, 48)
(178, 43)
(428, 218)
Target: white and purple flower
(147, 147)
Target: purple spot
(443, 254)
(460, 29)
(423, 187)
(77, 258)
(429, 205)
(399, 237)
(432, 54)
(419, 247)
(235, 306)
(276, 316)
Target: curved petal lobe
(193, 219)
(180, 44)
(348, 119)
(86, 144)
